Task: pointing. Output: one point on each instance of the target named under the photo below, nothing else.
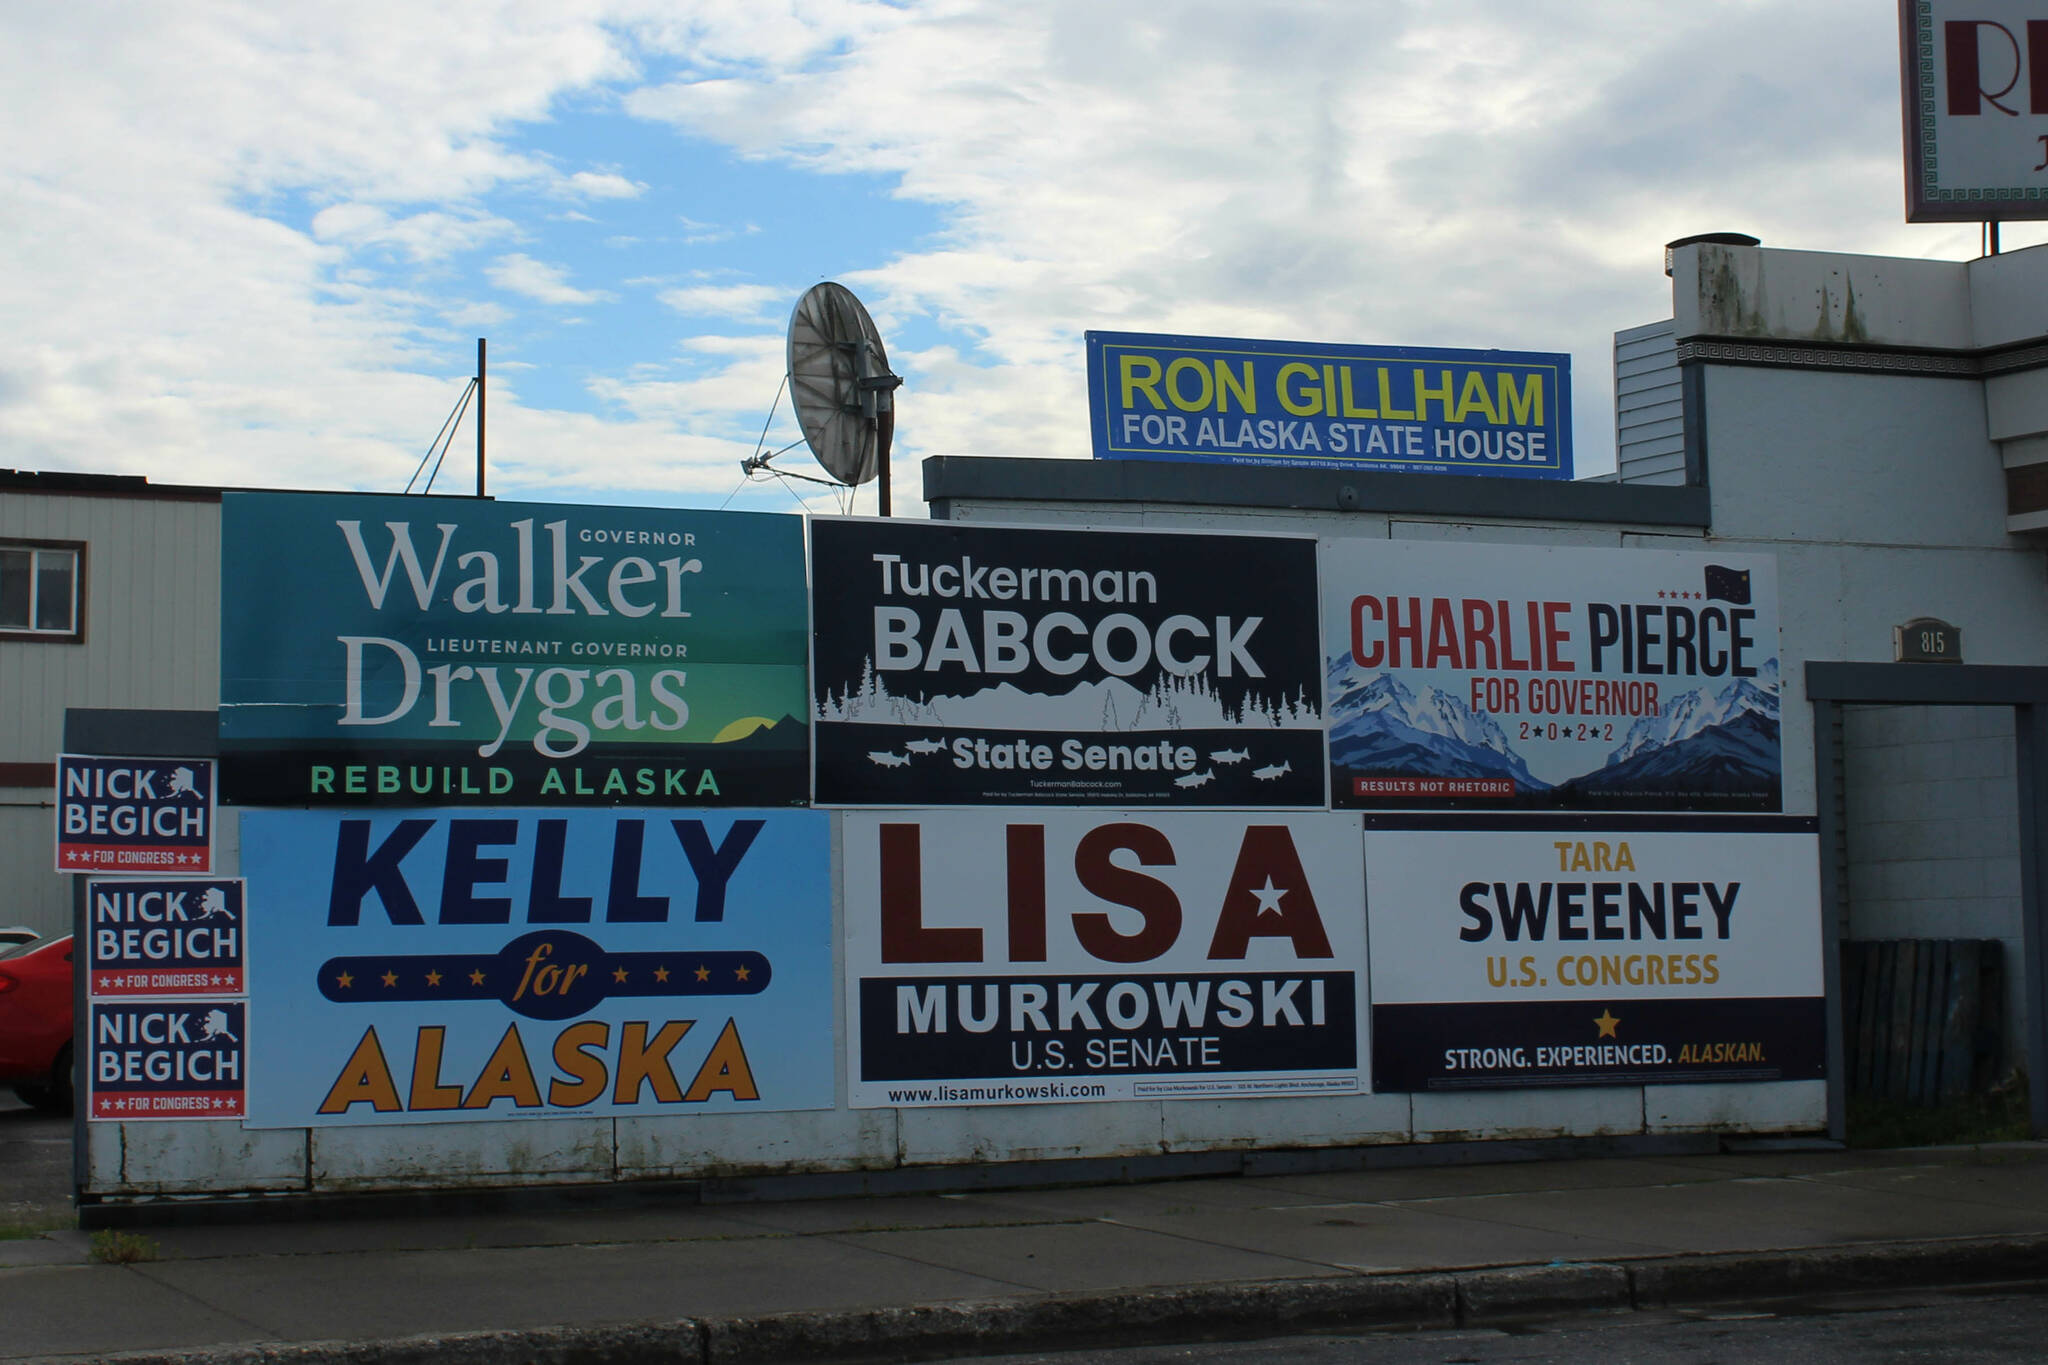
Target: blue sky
(256, 243)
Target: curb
(1242, 1310)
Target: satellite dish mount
(841, 387)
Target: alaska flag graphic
(1727, 585)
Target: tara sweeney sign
(1549, 950)
(1037, 956)
(1539, 677)
(963, 664)
(416, 651)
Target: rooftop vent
(1717, 238)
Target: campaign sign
(1387, 408)
(1540, 677)
(167, 1059)
(134, 814)
(1038, 956)
(961, 665)
(406, 652)
(442, 966)
(1524, 950)
(165, 936)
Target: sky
(256, 244)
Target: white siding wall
(1649, 416)
(152, 641)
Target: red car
(35, 1022)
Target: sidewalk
(886, 1277)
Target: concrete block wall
(1933, 831)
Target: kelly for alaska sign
(1035, 956)
(963, 664)
(1530, 676)
(134, 815)
(415, 651)
(1547, 950)
(440, 966)
(1392, 408)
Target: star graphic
(476, 978)
(740, 973)
(619, 974)
(1606, 1022)
(661, 974)
(344, 981)
(1269, 895)
(703, 972)
(433, 978)
(389, 979)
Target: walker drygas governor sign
(443, 965)
(1476, 675)
(1041, 956)
(1396, 408)
(417, 651)
(958, 664)
(1533, 950)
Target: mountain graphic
(1737, 757)
(1693, 712)
(1109, 705)
(1383, 726)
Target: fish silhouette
(1267, 774)
(1195, 779)
(1230, 755)
(887, 760)
(924, 746)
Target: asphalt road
(1981, 1327)
(35, 1168)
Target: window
(41, 591)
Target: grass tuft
(122, 1248)
(2000, 1116)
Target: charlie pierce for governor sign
(1326, 406)
(958, 664)
(1542, 677)
(1516, 950)
(417, 651)
(432, 966)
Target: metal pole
(2033, 750)
(1824, 780)
(479, 416)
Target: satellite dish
(841, 387)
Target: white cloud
(744, 302)
(424, 236)
(600, 185)
(537, 280)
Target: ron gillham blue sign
(167, 937)
(157, 1059)
(134, 814)
(1388, 408)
